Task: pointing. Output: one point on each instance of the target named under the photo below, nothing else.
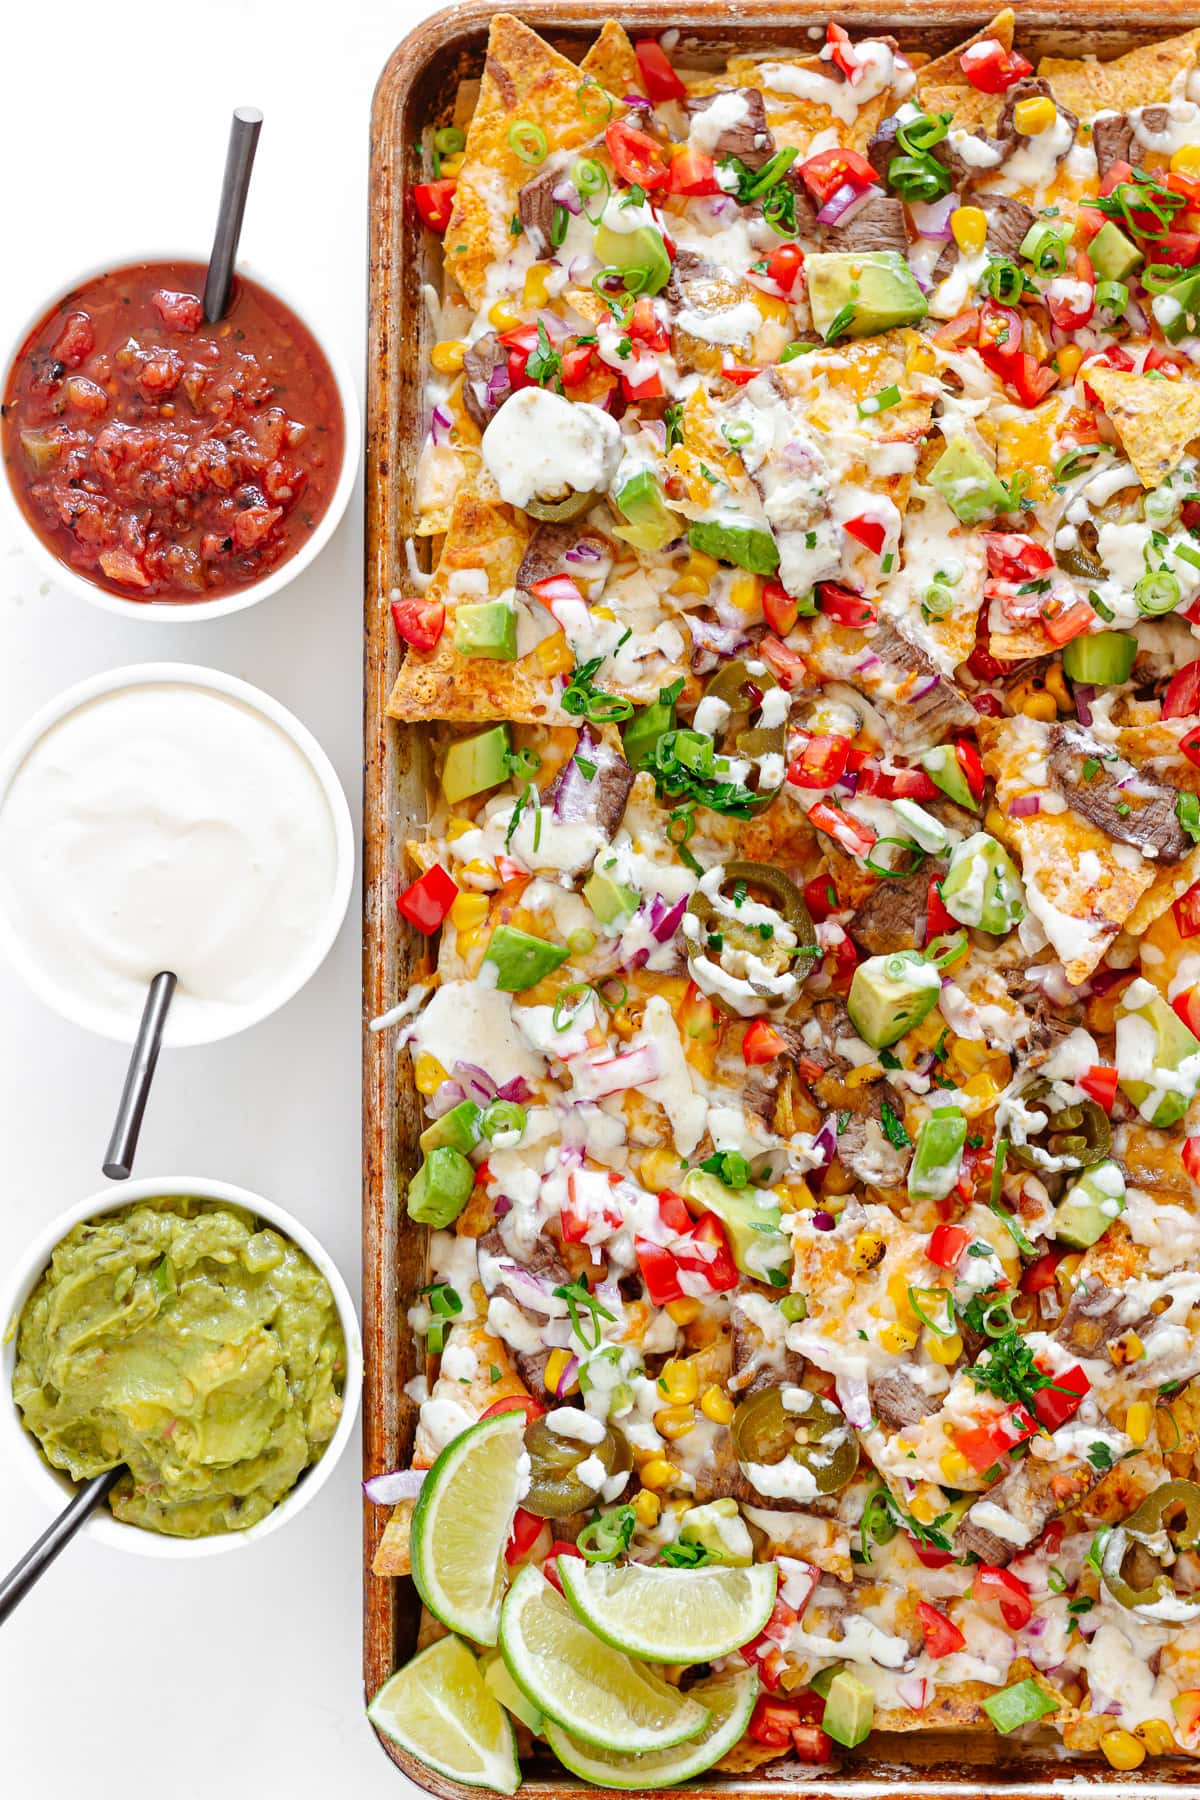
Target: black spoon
(143, 1060)
(37, 1559)
(239, 161)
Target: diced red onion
(824, 1146)
(866, 662)
(639, 100)
(517, 1089)
(446, 1095)
(723, 640)
(1084, 695)
(439, 425)
(913, 1690)
(578, 266)
(843, 203)
(562, 1386)
(498, 384)
(658, 431)
(932, 217)
(503, 1205)
(585, 551)
(854, 1400)
(925, 687)
(477, 1084)
(1024, 806)
(823, 1221)
(632, 1068)
(565, 193)
(1136, 316)
(664, 919)
(720, 206)
(396, 1485)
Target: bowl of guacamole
(196, 1333)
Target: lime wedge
(730, 1700)
(461, 1525)
(671, 1615)
(439, 1707)
(591, 1690)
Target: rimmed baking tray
(417, 87)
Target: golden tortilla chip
(1147, 76)
(1155, 420)
(942, 86)
(393, 1555)
(1168, 885)
(524, 79)
(613, 63)
(795, 119)
(946, 70)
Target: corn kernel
(503, 315)
(967, 1057)
(658, 1169)
(744, 592)
(535, 292)
(772, 308)
(897, 1293)
(556, 1368)
(1039, 706)
(863, 1075)
(679, 1381)
(467, 942)
(555, 655)
(690, 584)
(969, 225)
(1121, 1749)
(1126, 1349)
(1068, 1266)
(459, 828)
(1033, 116)
(480, 870)
(1138, 1421)
(674, 1422)
(701, 563)
(685, 1311)
(603, 612)
(452, 167)
(944, 1349)
(1157, 1736)
(647, 1507)
(924, 1506)
(1186, 160)
(468, 912)
(897, 1338)
(428, 1073)
(1069, 358)
(447, 357)
(716, 1405)
(955, 1467)
(981, 1094)
(870, 1248)
(1055, 685)
(659, 1473)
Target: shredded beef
(749, 140)
(485, 385)
(1126, 804)
(1008, 221)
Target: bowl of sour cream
(167, 816)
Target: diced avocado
(610, 900)
(824, 1679)
(968, 484)
(642, 250)
(458, 1128)
(1101, 658)
(644, 729)
(720, 1529)
(849, 1709)
(752, 1224)
(1090, 1205)
(1178, 309)
(890, 994)
(486, 628)
(946, 772)
(933, 1172)
(497, 1677)
(477, 763)
(440, 1188)
(1158, 1058)
(982, 887)
(875, 288)
(1021, 1704)
(652, 525)
(925, 829)
(748, 546)
(520, 959)
(1112, 254)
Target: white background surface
(238, 1677)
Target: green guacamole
(193, 1343)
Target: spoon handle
(143, 1059)
(37, 1559)
(239, 160)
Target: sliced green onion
(1076, 462)
(921, 134)
(939, 1297)
(793, 1307)
(946, 948)
(1112, 297)
(528, 141)
(1046, 248)
(620, 304)
(771, 173)
(937, 601)
(915, 851)
(581, 941)
(593, 102)
(523, 762)
(569, 1002)
(792, 351)
(444, 1301)
(996, 1316)
(1157, 592)
(1158, 277)
(918, 178)
(616, 998)
(560, 220)
(1056, 1581)
(606, 1537)
(1186, 554)
(1002, 280)
(877, 403)
(503, 1115)
(738, 433)
(449, 140)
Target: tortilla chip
(523, 79)
(946, 70)
(1168, 885)
(1025, 442)
(797, 119)
(613, 63)
(1144, 77)
(942, 86)
(393, 1557)
(1155, 420)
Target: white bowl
(184, 612)
(93, 1018)
(19, 1449)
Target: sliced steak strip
(1008, 221)
(864, 1148)
(887, 919)
(931, 716)
(1115, 796)
(1031, 1496)
(760, 1361)
(546, 551)
(877, 225)
(535, 208)
(1112, 140)
(1095, 1315)
(896, 1401)
(545, 1261)
(748, 139)
(1032, 88)
(485, 385)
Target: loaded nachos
(813, 1033)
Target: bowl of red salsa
(168, 467)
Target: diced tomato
(740, 374)
(942, 1636)
(659, 78)
(1115, 176)
(1013, 557)
(711, 1256)
(1071, 301)
(1100, 1082)
(638, 158)
(844, 607)
(1053, 1406)
(970, 762)
(1186, 1707)
(645, 326)
(938, 920)
(772, 1721)
(179, 312)
(842, 54)
(1088, 221)
(927, 1555)
(1182, 698)
(1001, 329)
(1030, 380)
(1191, 1157)
(1042, 1272)
(1187, 1005)
(829, 170)
(526, 1530)
(851, 834)
(650, 387)
(811, 1745)
(523, 1403)
(419, 622)
(1181, 247)
(779, 609)
(575, 364)
(426, 903)
(896, 784)
(1187, 185)
(1071, 623)
(1114, 357)
(555, 591)
(787, 665)
(762, 1043)
(991, 68)
(660, 1272)
(763, 1651)
(785, 265)
(946, 1245)
(983, 1445)
(820, 896)
(692, 173)
(962, 329)
(820, 762)
(584, 1207)
(1016, 1607)
(870, 533)
(696, 1017)
(560, 1547)
(435, 202)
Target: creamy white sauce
(541, 443)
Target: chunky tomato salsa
(163, 457)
